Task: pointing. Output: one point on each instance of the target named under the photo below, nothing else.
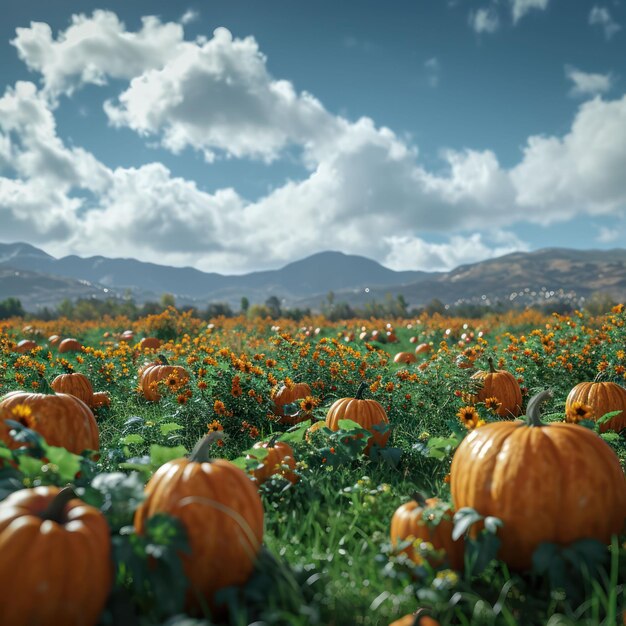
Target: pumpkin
(101, 398)
(150, 343)
(423, 348)
(26, 345)
(54, 340)
(405, 357)
(602, 397)
(172, 376)
(70, 345)
(75, 384)
(498, 384)
(62, 549)
(419, 618)
(221, 511)
(366, 413)
(313, 428)
(557, 483)
(415, 520)
(288, 395)
(279, 460)
(61, 419)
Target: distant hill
(39, 279)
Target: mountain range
(39, 279)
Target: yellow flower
(469, 417)
(578, 411)
(214, 426)
(493, 404)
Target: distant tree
(273, 306)
(167, 299)
(600, 302)
(436, 306)
(218, 309)
(245, 305)
(11, 307)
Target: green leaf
(463, 520)
(68, 464)
(169, 427)
(159, 455)
(349, 425)
(29, 466)
(608, 416)
(131, 439)
(543, 556)
(296, 434)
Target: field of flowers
(297, 528)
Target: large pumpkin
(26, 345)
(222, 512)
(366, 413)
(75, 384)
(288, 394)
(56, 565)
(61, 419)
(163, 374)
(427, 520)
(70, 345)
(602, 397)
(279, 460)
(548, 483)
(498, 384)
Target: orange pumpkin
(288, 395)
(26, 345)
(54, 340)
(405, 357)
(101, 398)
(366, 413)
(311, 429)
(602, 397)
(170, 376)
(61, 419)
(279, 460)
(419, 618)
(423, 348)
(429, 521)
(498, 384)
(70, 345)
(62, 547)
(222, 512)
(557, 483)
(150, 343)
(75, 384)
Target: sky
(234, 135)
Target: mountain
(40, 279)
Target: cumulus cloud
(521, 7)
(586, 84)
(95, 48)
(484, 20)
(601, 16)
(189, 16)
(410, 253)
(363, 184)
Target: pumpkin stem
(163, 359)
(200, 452)
(599, 376)
(359, 392)
(492, 369)
(55, 511)
(419, 498)
(533, 418)
(272, 442)
(44, 386)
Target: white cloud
(94, 48)
(608, 235)
(521, 7)
(363, 184)
(600, 16)
(414, 253)
(433, 71)
(484, 20)
(587, 84)
(190, 15)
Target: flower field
(336, 505)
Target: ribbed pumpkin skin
(155, 373)
(366, 413)
(224, 543)
(65, 569)
(602, 397)
(76, 385)
(70, 345)
(287, 395)
(408, 522)
(61, 419)
(26, 345)
(556, 483)
(150, 343)
(502, 385)
(279, 454)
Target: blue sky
(235, 136)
